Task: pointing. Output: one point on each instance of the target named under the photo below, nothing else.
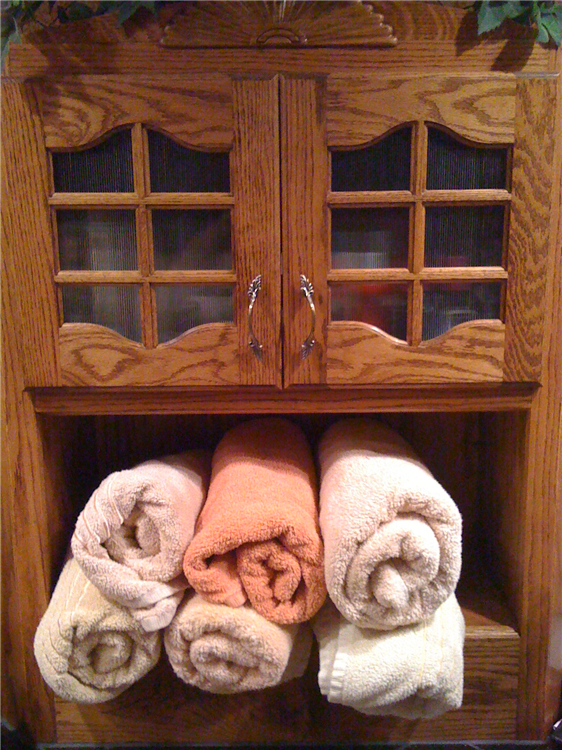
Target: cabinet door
(164, 206)
(418, 210)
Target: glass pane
(452, 165)
(383, 166)
(382, 305)
(113, 306)
(105, 168)
(464, 236)
(97, 240)
(176, 169)
(181, 307)
(448, 305)
(191, 240)
(370, 237)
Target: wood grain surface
(529, 235)
(361, 354)
(27, 253)
(362, 108)
(79, 111)
(96, 356)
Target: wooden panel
(27, 253)
(79, 111)
(304, 159)
(95, 356)
(529, 236)
(361, 354)
(26, 520)
(363, 108)
(419, 398)
(256, 225)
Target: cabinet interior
(462, 451)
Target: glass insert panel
(448, 305)
(382, 305)
(180, 307)
(383, 166)
(452, 165)
(370, 237)
(105, 168)
(115, 306)
(195, 240)
(464, 236)
(97, 240)
(176, 169)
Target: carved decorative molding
(260, 23)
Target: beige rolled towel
(89, 649)
(131, 537)
(414, 672)
(225, 649)
(392, 534)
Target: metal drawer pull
(253, 290)
(308, 290)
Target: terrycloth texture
(257, 537)
(89, 649)
(392, 534)
(131, 537)
(230, 650)
(415, 672)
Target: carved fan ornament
(258, 23)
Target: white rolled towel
(131, 537)
(88, 648)
(414, 672)
(392, 534)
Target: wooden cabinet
(299, 208)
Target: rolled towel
(131, 537)
(224, 649)
(392, 534)
(257, 537)
(415, 672)
(89, 649)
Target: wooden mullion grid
(136, 277)
(466, 197)
(417, 237)
(144, 236)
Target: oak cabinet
(299, 208)
(410, 238)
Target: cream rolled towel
(225, 649)
(414, 672)
(131, 537)
(392, 534)
(89, 649)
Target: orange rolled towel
(258, 536)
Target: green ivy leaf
(490, 16)
(550, 25)
(9, 32)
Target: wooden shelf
(305, 400)
(161, 708)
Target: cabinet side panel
(529, 233)
(27, 246)
(26, 534)
(255, 177)
(305, 224)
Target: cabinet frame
(526, 503)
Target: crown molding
(280, 23)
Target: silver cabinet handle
(308, 291)
(253, 290)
